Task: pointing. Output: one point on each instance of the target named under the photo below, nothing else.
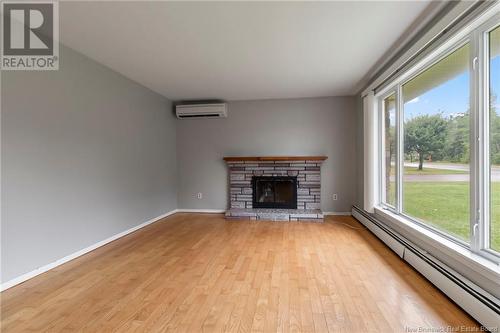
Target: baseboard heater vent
(481, 305)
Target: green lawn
(428, 171)
(445, 205)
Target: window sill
(477, 263)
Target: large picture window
(436, 145)
(439, 129)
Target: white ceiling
(238, 50)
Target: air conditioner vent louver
(211, 110)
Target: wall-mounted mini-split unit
(206, 110)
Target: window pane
(494, 62)
(389, 114)
(436, 145)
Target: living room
(250, 166)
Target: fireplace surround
(290, 188)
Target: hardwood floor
(195, 272)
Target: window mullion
(484, 183)
(399, 149)
(381, 151)
(479, 161)
(475, 148)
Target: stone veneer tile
(247, 190)
(241, 182)
(308, 185)
(273, 216)
(237, 176)
(302, 191)
(312, 177)
(290, 168)
(237, 204)
(304, 216)
(313, 205)
(259, 168)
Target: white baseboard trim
(43, 269)
(208, 211)
(337, 213)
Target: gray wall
(86, 154)
(310, 126)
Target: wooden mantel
(274, 158)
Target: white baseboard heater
(480, 304)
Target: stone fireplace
(285, 188)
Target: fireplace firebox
(274, 192)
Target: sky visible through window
(495, 81)
(452, 97)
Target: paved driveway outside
(495, 173)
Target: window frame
(381, 107)
(479, 174)
(483, 244)
(399, 209)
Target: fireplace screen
(274, 192)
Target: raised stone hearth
(272, 214)
(243, 171)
